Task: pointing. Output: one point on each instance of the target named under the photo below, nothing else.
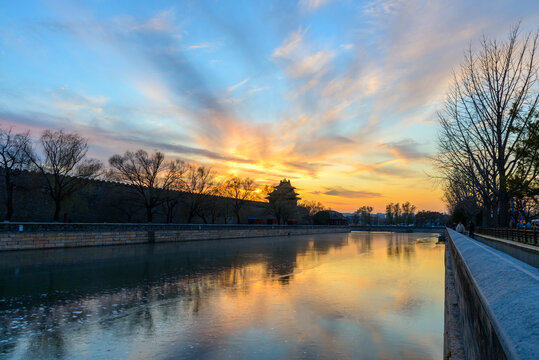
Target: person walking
(471, 229)
(460, 228)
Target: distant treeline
(399, 214)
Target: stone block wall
(115, 234)
(100, 201)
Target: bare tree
(311, 208)
(174, 192)
(240, 191)
(397, 213)
(172, 197)
(527, 208)
(218, 205)
(64, 165)
(461, 192)
(389, 213)
(492, 101)
(14, 150)
(148, 175)
(394, 213)
(524, 184)
(408, 212)
(198, 186)
(364, 213)
(171, 200)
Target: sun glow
(343, 105)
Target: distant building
(283, 201)
(330, 217)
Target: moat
(346, 296)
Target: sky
(339, 96)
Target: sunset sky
(338, 96)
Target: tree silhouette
(149, 176)
(14, 150)
(63, 165)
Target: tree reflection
(69, 287)
(400, 247)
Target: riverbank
(27, 236)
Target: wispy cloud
(299, 59)
(209, 46)
(265, 91)
(383, 7)
(310, 5)
(235, 86)
(162, 21)
(291, 44)
(254, 89)
(406, 149)
(350, 193)
(320, 146)
(311, 64)
(67, 100)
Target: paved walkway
(509, 290)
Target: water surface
(345, 296)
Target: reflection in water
(398, 247)
(358, 295)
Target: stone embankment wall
(45, 236)
(491, 309)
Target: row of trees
(154, 183)
(363, 215)
(395, 214)
(488, 158)
(61, 159)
